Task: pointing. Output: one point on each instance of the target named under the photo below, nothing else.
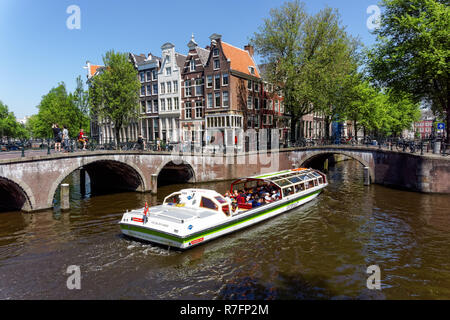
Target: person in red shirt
(82, 138)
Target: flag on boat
(146, 208)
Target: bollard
(65, 204)
(325, 165)
(437, 147)
(366, 176)
(154, 183)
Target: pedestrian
(82, 138)
(57, 135)
(158, 145)
(65, 133)
(141, 142)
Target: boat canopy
(283, 179)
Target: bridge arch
(106, 172)
(15, 196)
(353, 155)
(176, 171)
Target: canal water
(319, 251)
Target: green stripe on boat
(271, 174)
(218, 228)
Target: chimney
(250, 49)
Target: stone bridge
(30, 183)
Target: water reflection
(319, 251)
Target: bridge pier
(154, 183)
(83, 182)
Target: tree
(58, 106)
(305, 56)
(411, 54)
(9, 127)
(80, 98)
(114, 93)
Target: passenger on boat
(241, 197)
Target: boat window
(226, 209)
(303, 177)
(320, 180)
(173, 200)
(310, 184)
(294, 179)
(220, 199)
(316, 174)
(287, 191)
(315, 182)
(311, 176)
(300, 187)
(207, 203)
(282, 182)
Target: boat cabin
(277, 185)
(199, 199)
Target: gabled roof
(203, 54)
(240, 59)
(180, 58)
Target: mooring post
(154, 183)
(65, 204)
(325, 165)
(366, 176)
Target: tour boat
(193, 216)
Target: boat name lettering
(137, 219)
(160, 224)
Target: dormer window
(216, 64)
(215, 52)
(167, 58)
(192, 65)
(252, 70)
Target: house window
(225, 98)
(169, 87)
(198, 109)
(163, 88)
(149, 106)
(155, 88)
(249, 102)
(217, 98)
(149, 76)
(142, 76)
(210, 101)
(175, 86)
(215, 52)
(163, 104)
(216, 64)
(176, 105)
(187, 110)
(192, 65)
(169, 104)
(217, 81)
(265, 105)
(199, 87)
(252, 70)
(256, 104)
(154, 75)
(209, 81)
(256, 86)
(142, 90)
(142, 106)
(155, 106)
(187, 88)
(277, 105)
(225, 79)
(149, 90)
(168, 71)
(249, 84)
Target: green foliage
(412, 53)
(9, 127)
(60, 107)
(308, 57)
(114, 93)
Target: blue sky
(37, 50)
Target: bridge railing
(47, 146)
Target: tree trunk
(448, 125)
(293, 125)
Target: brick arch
(349, 154)
(188, 165)
(30, 201)
(85, 162)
